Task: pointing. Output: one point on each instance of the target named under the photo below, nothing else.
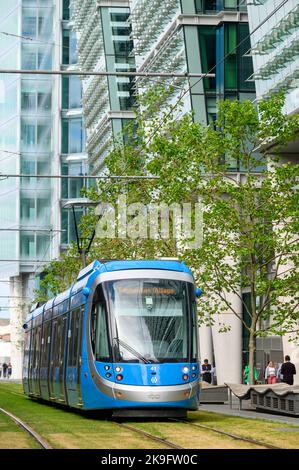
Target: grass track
(64, 428)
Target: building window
(230, 65)
(73, 136)
(245, 62)
(207, 40)
(69, 47)
(66, 10)
(71, 92)
(28, 209)
(67, 224)
(27, 246)
(205, 6)
(36, 57)
(71, 188)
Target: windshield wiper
(132, 351)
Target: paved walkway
(247, 411)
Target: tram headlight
(185, 377)
(119, 377)
(194, 367)
(118, 369)
(185, 370)
(106, 367)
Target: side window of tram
(55, 345)
(45, 345)
(74, 338)
(37, 346)
(99, 333)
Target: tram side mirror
(198, 292)
(25, 326)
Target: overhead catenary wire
(106, 73)
(21, 175)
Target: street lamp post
(72, 204)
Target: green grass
(13, 437)
(269, 432)
(64, 428)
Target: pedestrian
(279, 375)
(270, 373)
(9, 370)
(4, 368)
(0, 370)
(246, 374)
(206, 371)
(288, 370)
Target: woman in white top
(270, 373)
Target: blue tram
(123, 338)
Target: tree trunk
(252, 348)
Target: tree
(249, 200)
(250, 212)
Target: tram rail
(224, 433)
(161, 440)
(42, 442)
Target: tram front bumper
(155, 394)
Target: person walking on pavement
(270, 373)
(0, 370)
(288, 370)
(206, 371)
(4, 368)
(9, 370)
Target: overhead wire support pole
(108, 74)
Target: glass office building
(104, 44)
(150, 35)
(41, 134)
(275, 49)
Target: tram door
(56, 373)
(34, 388)
(74, 357)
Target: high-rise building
(275, 49)
(41, 134)
(104, 45)
(275, 52)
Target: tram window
(26, 350)
(99, 333)
(55, 348)
(153, 316)
(75, 337)
(45, 346)
(74, 343)
(32, 349)
(37, 346)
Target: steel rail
(233, 436)
(34, 434)
(161, 440)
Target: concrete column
(18, 305)
(228, 345)
(205, 343)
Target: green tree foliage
(249, 201)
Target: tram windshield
(151, 320)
